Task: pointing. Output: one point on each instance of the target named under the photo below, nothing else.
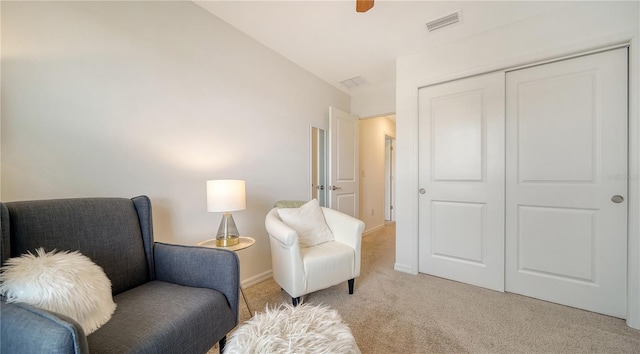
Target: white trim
(633, 231)
(405, 268)
(377, 116)
(407, 211)
(570, 56)
(310, 159)
(372, 230)
(256, 279)
(392, 171)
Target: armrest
(347, 230)
(282, 233)
(200, 267)
(27, 329)
(286, 259)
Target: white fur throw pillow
(308, 221)
(67, 283)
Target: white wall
(155, 98)
(1, 99)
(372, 158)
(578, 27)
(374, 101)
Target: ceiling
(332, 41)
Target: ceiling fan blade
(363, 5)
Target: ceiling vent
(445, 20)
(354, 82)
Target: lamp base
(229, 241)
(228, 234)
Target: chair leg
(222, 343)
(295, 300)
(351, 281)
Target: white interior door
(343, 188)
(566, 160)
(461, 149)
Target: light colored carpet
(394, 312)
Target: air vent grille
(445, 20)
(354, 82)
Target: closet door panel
(556, 139)
(457, 124)
(461, 134)
(566, 160)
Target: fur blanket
(288, 329)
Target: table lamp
(225, 196)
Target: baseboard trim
(404, 268)
(256, 279)
(374, 229)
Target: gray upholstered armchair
(170, 298)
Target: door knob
(422, 191)
(333, 188)
(617, 199)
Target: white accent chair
(302, 270)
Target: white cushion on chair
(309, 223)
(327, 264)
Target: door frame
(390, 185)
(318, 164)
(407, 261)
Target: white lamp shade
(225, 195)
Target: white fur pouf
(67, 283)
(287, 329)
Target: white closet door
(461, 149)
(566, 163)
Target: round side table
(245, 242)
